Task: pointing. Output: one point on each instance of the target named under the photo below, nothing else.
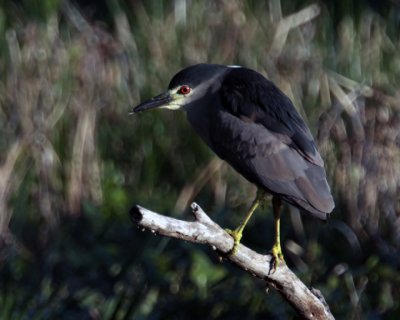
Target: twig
(306, 302)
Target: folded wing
(260, 133)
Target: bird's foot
(277, 257)
(237, 236)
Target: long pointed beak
(158, 101)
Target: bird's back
(260, 134)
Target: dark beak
(158, 101)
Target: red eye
(184, 90)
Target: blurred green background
(73, 162)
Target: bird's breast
(200, 118)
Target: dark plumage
(259, 132)
(247, 121)
(255, 128)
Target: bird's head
(188, 87)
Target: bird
(252, 125)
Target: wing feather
(253, 98)
(262, 136)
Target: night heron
(248, 122)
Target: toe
(237, 236)
(277, 257)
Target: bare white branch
(309, 304)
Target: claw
(237, 236)
(277, 257)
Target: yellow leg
(238, 232)
(276, 248)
